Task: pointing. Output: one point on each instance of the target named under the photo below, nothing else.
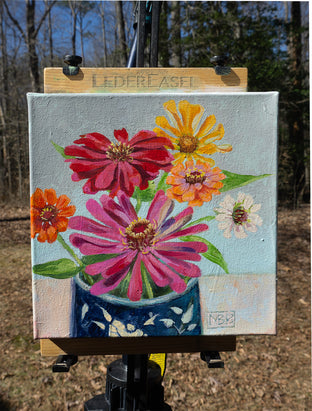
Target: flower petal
(50, 196)
(188, 246)
(190, 230)
(90, 226)
(216, 134)
(148, 139)
(95, 141)
(113, 265)
(163, 275)
(239, 231)
(37, 199)
(207, 125)
(124, 201)
(51, 234)
(135, 286)
(180, 266)
(171, 108)
(113, 212)
(121, 135)
(107, 284)
(92, 245)
(103, 180)
(191, 115)
(67, 211)
(62, 202)
(182, 255)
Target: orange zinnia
(49, 214)
(194, 183)
(191, 141)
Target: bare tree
(73, 4)
(121, 33)
(176, 55)
(51, 57)
(30, 36)
(101, 9)
(295, 117)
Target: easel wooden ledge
(127, 80)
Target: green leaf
(92, 259)
(60, 269)
(213, 254)
(61, 150)
(146, 282)
(146, 195)
(238, 180)
(162, 185)
(200, 220)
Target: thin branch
(15, 22)
(47, 11)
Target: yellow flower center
(119, 152)
(140, 234)
(195, 176)
(187, 144)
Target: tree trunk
(30, 37)
(31, 45)
(73, 8)
(4, 107)
(51, 56)
(176, 53)
(296, 122)
(102, 14)
(81, 35)
(121, 33)
(164, 36)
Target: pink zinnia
(138, 241)
(120, 166)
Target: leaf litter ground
(264, 373)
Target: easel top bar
(144, 80)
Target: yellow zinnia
(191, 141)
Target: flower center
(195, 176)
(48, 213)
(188, 144)
(119, 152)
(140, 234)
(239, 215)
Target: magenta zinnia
(140, 243)
(119, 166)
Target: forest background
(271, 39)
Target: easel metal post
(141, 34)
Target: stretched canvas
(153, 214)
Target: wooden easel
(128, 80)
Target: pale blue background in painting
(250, 123)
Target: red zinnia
(49, 214)
(120, 166)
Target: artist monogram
(221, 319)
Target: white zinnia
(239, 215)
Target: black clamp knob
(64, 362)
(71, 65)
(212, 358)
(220, 67)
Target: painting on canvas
(153, 214)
